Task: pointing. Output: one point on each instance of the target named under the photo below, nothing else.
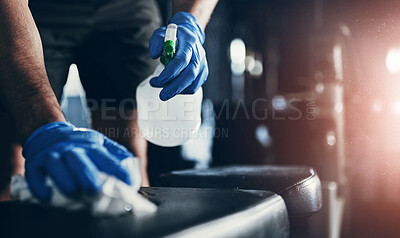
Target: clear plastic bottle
(168, 123)
(172, 122)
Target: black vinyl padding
(299, 186)
(182, 212)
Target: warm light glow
(331, 138)
(396, 108)
(339, 107)
(338, 62)
(393, 61)
(377, 106)
(319, 88)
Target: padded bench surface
(299, 186)
(182, 212)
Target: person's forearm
(201, 9)
(24, 86)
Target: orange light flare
(393, 61)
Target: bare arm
(201, 9)
(24, 86)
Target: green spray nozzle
(168, 52)
(169, 44)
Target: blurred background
(310, 82)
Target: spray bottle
(172, 122)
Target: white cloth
(115, 198)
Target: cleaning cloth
(115, 197)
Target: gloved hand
(72, 157)
(188, 70)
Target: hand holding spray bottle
(167, 123)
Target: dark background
(292, 39)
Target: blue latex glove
(188, 70)
(72, 157)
